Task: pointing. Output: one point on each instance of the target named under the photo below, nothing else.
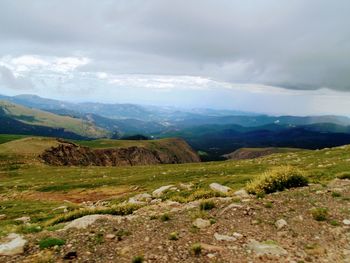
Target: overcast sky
(273, 56)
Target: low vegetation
(319, 213)
(51, 242)
(277, 179)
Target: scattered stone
(219, 188)
(210, 255)
(23, 219)
(219, 237)
(211, 248)
(13, 245)
(346, 222)
(266, 248)
(201, 223)
(140, 199)
(159, 192)
(86, 221)
(241, 193)
(110, 236)
(281, 223)
(70, 255)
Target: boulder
(23, 219)
(13, 245)
(201, 223)
(241, 193)
(140, 199)
(266, 248)
(85, 221)
(159, 192)
(219, 188)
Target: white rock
(346, 222)
(219, 237)
(110, 236)
(24, 219)
(86, 221)
(201, 223)
(241, 193)
(281, 223)
(219, 188)
(266, 248)
(14, 245)
(158, 192)
(2, 216)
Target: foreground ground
(31, 189)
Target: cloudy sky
(272, 56)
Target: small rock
(266, 248)
(219, 188)
(2, 216)
(241, 193)
(210, 255)
(159, 192)
(219, 237)
(211, 248)
(110, 236)
(23, 219)
(186, 186)
(281, 223)
(201, 223)
(346, 222)
(13, 245)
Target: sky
(271, 56)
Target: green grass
(51, 242)
(10, 137)
(18, 180)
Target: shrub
(206, 205)
(137, 259)
(277, 179)
(51, 242)
(196, 249)
(319, 213)
(344, 175)
(164, 217)
(173, 236)
(336, 194)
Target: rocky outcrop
(69, 154)
(252, 153)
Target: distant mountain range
(214, 132)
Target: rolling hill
(38, 122)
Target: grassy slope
(24, 187)
(43, 118)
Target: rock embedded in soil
(13, 245)
(220, 188)
(85, 221)
(220, 237)
(281, 223)
(201, 223)
(241, 193)
(266, 248)
(346, 222)
(23, 219)
(159, 192)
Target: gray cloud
(294, 44)
(8, 79)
